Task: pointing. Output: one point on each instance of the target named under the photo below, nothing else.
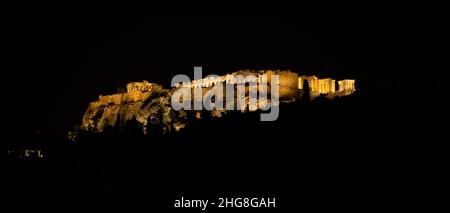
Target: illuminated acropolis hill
(123, 106)
(290, 84)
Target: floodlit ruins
(142, 100)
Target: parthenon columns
(347, 85)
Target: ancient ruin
(144, 100)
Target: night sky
(61, 57)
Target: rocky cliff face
(150, 108)
(147, 106)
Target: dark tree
(306, 95)
(133, 128)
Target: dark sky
(61, 57)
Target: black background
(60, 57)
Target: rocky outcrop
(150, 105)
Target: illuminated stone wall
(288, 85)
(143, 86)
(288, 81)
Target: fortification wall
(107, 99)
(117, 98)
(288, 85)
(135, 96)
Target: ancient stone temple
(318, 86)
(347, 85)
(327, 86)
